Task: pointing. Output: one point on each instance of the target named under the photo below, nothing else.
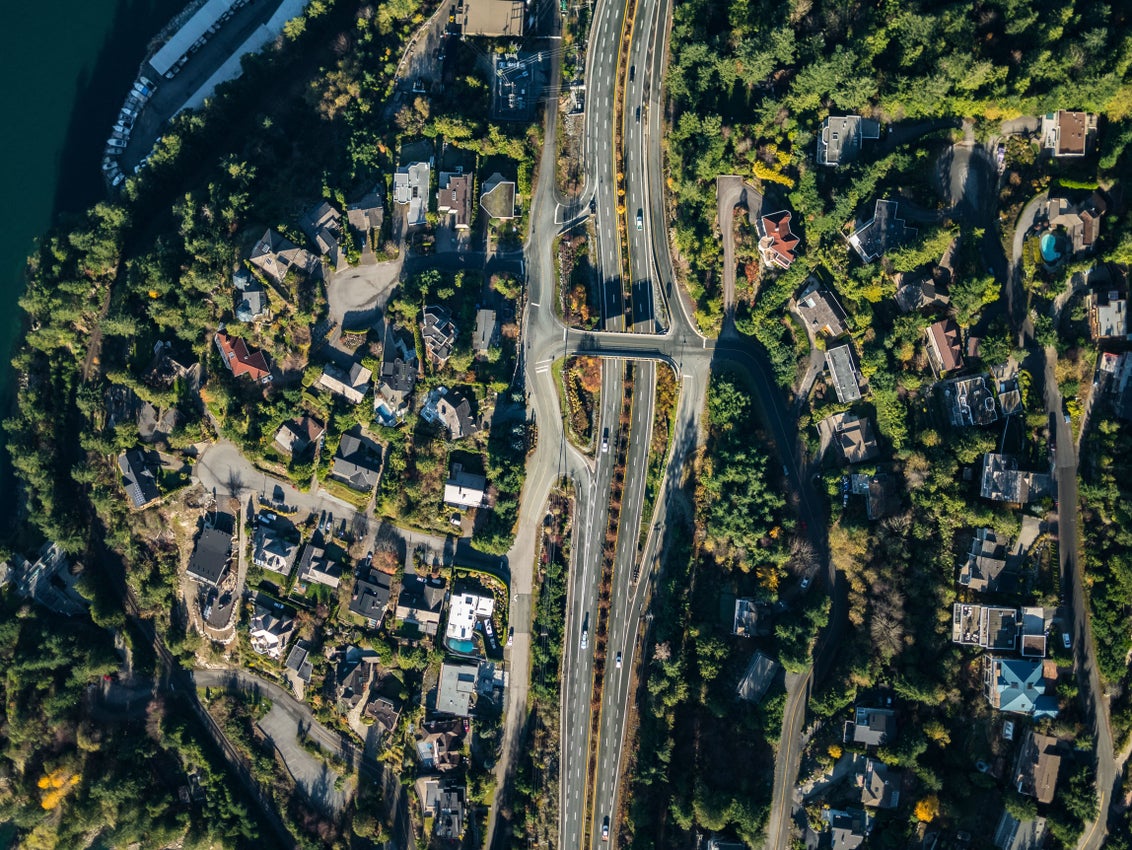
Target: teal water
(65, 67)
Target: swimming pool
(1050, 251)
(464, 647)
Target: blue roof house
(1019, 686)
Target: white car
(619, 661)
(511, 636)
(640, 220)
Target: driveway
(357, 295)
(311, 773)
(729, 191)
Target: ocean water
(65, 67)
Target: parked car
(1065, 640)
(510, 636)
(805, 582)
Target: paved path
(730, 190)
(311, 773)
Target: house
(353, 675)
(212, 554)
(465, 489)
(1039, 761)
(1068, 133)
(439, 334)
(322, 225)
(454, 198)
(420, 602)
(985, 570)
(498, 197)
(854, 436)
(843, 373)
(492, 18)
(384, 712)
(456, 689)
(138, 478)
(410, 186)
(1019, 686)
(352, 385)
(1070, 229)
(1012, 834)
(820, 311)
(760, 673)
(882, 232)
(449, 821)
(251, 297)
(365, 218)
(296, 436)
(428, 794)
(880, 786)
(873, 727)
(317, 568)
(356, 465)
(398, 369)
(298, 661)
(486, 334)
(273, 552)
(882, 496)
(1033, 632)
(777, 243)
(241, 360)
(968, 401)
(1002, 481)
(848, 828)
(439, 745)
(1108, 315)
(920, 291)
(275, 257)
(841, 136)
(945, 350)
(748, 614)
(452, 410)
(269, 631)
(370, 597)
(465, 610)
(987, 626)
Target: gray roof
(1012, 834)
(138, 478)
(184, 38)
(843, 373)
(438, 332)
(251, 302)
(498, 197)
(1003, 482)
(884, 231)
(370, 597)
(398, 366)
(455, 411)
(456, 689)
(841, 135)
(871, 726)
(210, 558)
(881, 786)
(273, 552)
(316, 567)
(487, 326)
(355, 463)
(821, 311)
(299, 662)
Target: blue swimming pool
(1049, 247)
(465, 647)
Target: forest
(751, 81)
(77, 767)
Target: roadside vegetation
(534, 805)
(705, 758)
(663, 423)
(1106, 526)
(581, 383)
(577, 278)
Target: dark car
(632, 72)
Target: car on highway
(632, 72)
(585, 638)
(638, 115)
(605, 441)
(1065, 640)
(619, 661)
(640, 220)
(605, 829)
(593, 206)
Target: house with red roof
(241, 360)
(776, 241)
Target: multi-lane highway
(680, 347)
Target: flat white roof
(196, 26)
(463, 612)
